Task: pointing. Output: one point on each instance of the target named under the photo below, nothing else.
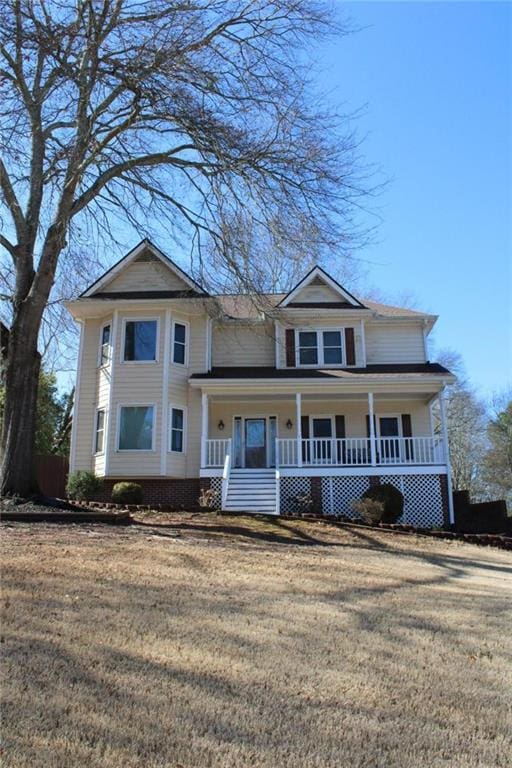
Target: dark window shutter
(340, 434)
(407, 432)
(304, 428)
(350, 346)
(290, 347)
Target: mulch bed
(59, 511)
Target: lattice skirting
(216, 485)
(289, 487)
(423, 498)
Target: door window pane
(272, 437)
(238, 441)
(140, 340)
(179, 343)
(136, 428)
(332, 347)
(308, 348)
(255, 433)
(177, 429)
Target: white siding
(395, 343)
(239, 345)
(317, 293)
(146, 276)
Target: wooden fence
(52, 474)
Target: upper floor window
(136, 425)
(179, 343)
(105, 344)
(140, 340)
(319, 347)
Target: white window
(104, 356)
(100, 432)
(140, 340)
(136, 427)
(319, 347)
(177, 430)
(179, 343)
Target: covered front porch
(300, 432)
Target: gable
(319, 288)
(145, 273)
(144, 270)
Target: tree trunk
(19, 423)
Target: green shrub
(369, 510)
(83, 485)
(127, 493)
(391, 498)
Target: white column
(298, 420)
(110, 446)
(204, 427)
(371, 419)
(166, 362)
(444, 432)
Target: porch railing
(356, 451)
(216, 451)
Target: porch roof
(386, 372)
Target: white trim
(144, 245)
(100, 346)
(184, 410)
(153, 426)
(397, 416)
(319, 471)
(165, 391)
(264, 417)
(76, 404)
(425, 340)
(95, 431)
(371, 420)
(298, 427)
(109, 449)
(204, 427)
(320, 348)
(186, 325)
(140, 319)
(444, 429)
(356, 384)
(307, 279)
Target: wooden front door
(255, 443)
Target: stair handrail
(225, 474)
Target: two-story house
(322, 393)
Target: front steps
(252, 490)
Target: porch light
(220, 425)
(289, 424)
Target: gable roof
(347, 300)
(131, 256)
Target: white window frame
(397, 416)
(120, 406)
(100, 350)
(123, 340)
(320, 348)
(331, 418)
(183, 408)
(186, 324)
(95, 452)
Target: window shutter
(350, 346)
(340, 434)
(290, 347)
(407, 432)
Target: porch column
(444, 432)
(371, 419)
(298, 420)
(204, 427)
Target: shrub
(127, 493)
(83, 484)
(390, 497)
(370, 510)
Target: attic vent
(145, 256)
(317, 281)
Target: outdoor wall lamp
(221, 425)
(289, 424)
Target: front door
(255, 443)
(390, 443)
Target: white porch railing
(356, 451)
(225, 475)
(216, 451)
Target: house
(322, 393)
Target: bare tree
(136, 110)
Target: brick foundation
(173, 492)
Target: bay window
(136, 426)
(140, 341)
(177, 431)
(179, 343)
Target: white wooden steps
(252, 490)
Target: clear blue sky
(437, 81)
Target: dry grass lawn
(205, 641)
